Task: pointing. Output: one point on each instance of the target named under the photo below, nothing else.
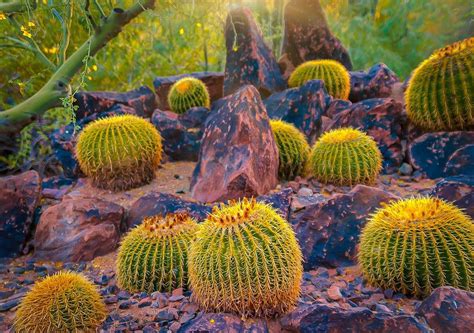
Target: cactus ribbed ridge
(187, 93)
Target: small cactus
(293, 149)
(335, 76)
(345, 156)
(119, 152)
(418, 244)
(245, 260)
(187, 93)
(153, 256)
(64, 302)
(440, 92)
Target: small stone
(176, 298)
(125, 305)
(177, 292)
(144, 303)
(334, 293)
(122, 295)
(388, 293)
(111, 300)
(405, 169)
(164, 316)
(9, 304)
(6, 293)
(174, 327)
(305, 192)
(382, 308)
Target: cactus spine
(153, 256)
(187, 93)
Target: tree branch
(16, 6)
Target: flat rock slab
(457, 189)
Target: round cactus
(153, 256)
(440, 92)
(245, 260)
(293, 149)
(187, 93)
(418, 244)
(335, 76)
(64, 302)
(345, 156)
(119, 152)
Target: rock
(238, 155)
(249, 59)
(328, 232)
(457, 189)
(223, 322)
(431, 152)
(305, 192)
(214, 82)
(156, 203)
(449, 309)
(307, 37)
(382, 119)
(405, 169)
(334, 293)
(377, 82)
(142, 100)
(78, 230)
(303, 107)
(335, 107)
(56, 187)
(19, 197)
(461, 162)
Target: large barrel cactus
(64, 302)
(154, 255)
(245, 260)
(119, 152)
(335, 76)
(293, 149)
(418, 244)
(345, 156)
(187, 93)
(440, 94)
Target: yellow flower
(181, 31)
(31, 24)
(199, 25)
(212, 321)
(94, 68)
(26, 34)
(235, 48)
(89, 78)
(53, 50)
(3, 16)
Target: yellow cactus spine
(187, 93)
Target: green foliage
(154, 255)
(293, 149)
(119, 152)
(345, 156)
(245, 260)
(64, 302)
(335, 76)
(439, 95)
(416, 245)
(187, 93)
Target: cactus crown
(64, 302)
(439, 94)
(335, 76)
(186, 93)
(293, 149)
(119, 152)
(245, 260)
(418, 244)
(153, 256)
(345, 156)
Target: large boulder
(307, 37)
(303, 107)
(457, 189)
(436, 154)
(382, 119)
(328, 232)
(214, 82)
(448, 309)
(19, 196)
(78, 230)
(376, 82)
(238, 155)
(249, 59)
(224, 322)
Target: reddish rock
(377, 82)
(78, 230)
(328, 232)
(19, 196)
(459, 190)
(249, 59)
(238, 155)
(307, 37)
(223, 322)
(214, 82)
(448, 309)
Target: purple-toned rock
(78, 230)
(337, 106)
(382, 119)
(181, 133)
(249, 59)
(448, 309)
(302, 106)
(56, 187)
(214, 82)
(457, 189)
(142, 100)
(19, 196)
(238, 156)
(431, 153)
(307, 37)
(156, 203)
(329, 231)
(223, 322)
(377, 82)
(279, 201)
(461, 162)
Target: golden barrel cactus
(187, 93)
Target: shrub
(187, 93)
